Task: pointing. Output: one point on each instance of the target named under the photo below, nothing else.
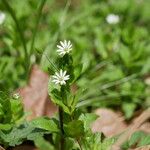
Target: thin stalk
(90, 101)
(37, 23)
(109, 85)
(78, 141)
(51, 63)
(11, 11)
(60, 29)
(61, 128)
(115, 83)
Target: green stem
(78, 141)
(37, 23)
(61, 128)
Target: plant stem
(61, 128)
(11, 11)
(79, 144)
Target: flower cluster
(61, 77)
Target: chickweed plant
(74, 125)
(69, 129)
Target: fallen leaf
(1, 148)
(134, 126)
(35, 95)
(109, 122)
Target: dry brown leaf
(1, 148)
(109, 122)
(35, 95)
(136, 124)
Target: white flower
(64, 47)
(112, 19)
(16, 96)
(60, 78)
(2, 17)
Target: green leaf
(77, 71)
(107, 143)
(88, 118)
(144, 141)
(94, 141)
(74, 128)
(16, 109)
(45, 123)
(17, 135)
(128, 109)
(5, 107)
(42, 144)
(136, 137)
(125, 55)
(5, 126)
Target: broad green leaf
(42, 144)
(45, 123)
(136, 137)
(74, 128)
(5, 126)
(144, 141)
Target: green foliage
(19, 134)
(137, 139)
(107, 68)
(104, 54)
(11, 111)
(96, 142)
(42, 144)
(74, 129)
(45, 123)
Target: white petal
(59, 50)
(60, 47)
(69, 43)
(57, 74)
(65, 42)
(63, 45)
(61, 73)
(62, 82)
(69, 46)
(64, 73)
(55, 77)
(66, 77)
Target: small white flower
(64, 47)
(2, 17)
(16, 96)
(112, 19)
(60, 78)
